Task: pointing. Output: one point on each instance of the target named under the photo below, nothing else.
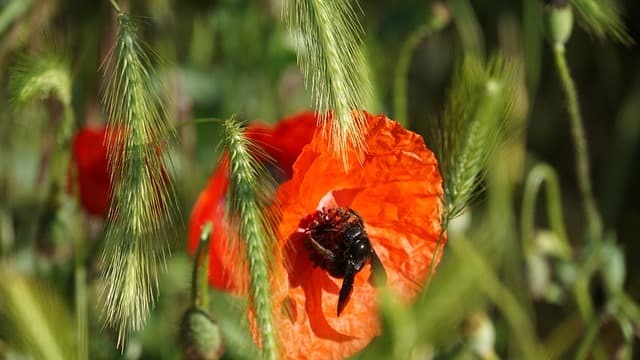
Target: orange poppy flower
(397, 191)
(89, 154)
(283, 144)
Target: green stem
(580, 144)
(198, 297)
(81, 310)
(468, 27)
(115, 5)
(589, 338)
(80, 282)
(563, 337)
(540, 174)
(400, 98)
(436, 253)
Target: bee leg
(378, 275)
(347, 286)
(326, 253)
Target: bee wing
(378, 273)
(326, 253)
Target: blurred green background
(237, 56)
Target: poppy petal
(397, 190)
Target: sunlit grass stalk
(332, 61)
(580, 145)
(37, 318)
(247, 200)
(143, 208)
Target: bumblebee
(338, 243)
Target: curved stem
(580, 146)
(540, 174)
(400, 83)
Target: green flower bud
(558, 21)
(200, 336)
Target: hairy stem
(197, 295)
(436, 253)
(580, 146)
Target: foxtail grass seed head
(250, 191)
(329, 51)
(470, 128)
(143, 208)
(37, 76)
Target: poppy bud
(200, 336)
(558, 21)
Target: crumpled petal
(398, 192)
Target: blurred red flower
(283, 143)
(397, 190)
(89, 154)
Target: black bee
(338, 243)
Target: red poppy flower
(89, 155)
(397, 191)
(283, 143)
